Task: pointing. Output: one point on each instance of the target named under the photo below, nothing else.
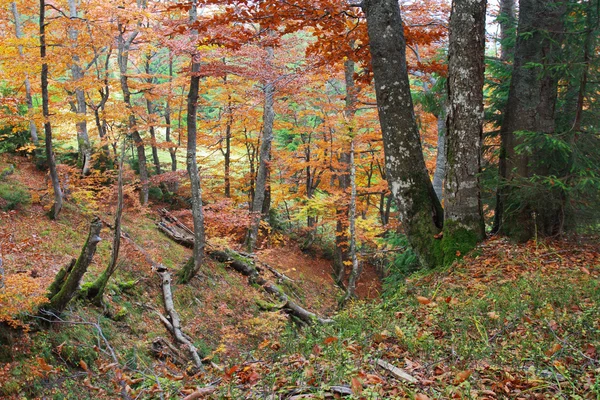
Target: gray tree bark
(28, 96)
(193, 265)
(440, 159)
(419, 208)
(355, 272)
(151, 110)
(341, 226)
(463, 215)
(265, 158)
(58, 198)
(530, 107)
(123, 59)
(508, 21)
(83, 140)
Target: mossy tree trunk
(69, 281)
(419, 208)
(463, 215)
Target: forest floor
(508, 321)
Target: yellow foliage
(20, 294)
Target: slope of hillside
(508, 321)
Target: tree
(193, 265)
(58, 197)
(530, 108)
(419, 208)
(28, 95)
(463, 216)
(264, 158)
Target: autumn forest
(233, 199)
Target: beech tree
(463, 216)
(419, 208)
(58, 196)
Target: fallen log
(174, 324)
(246, 268)
(245, 265)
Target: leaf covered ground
(508, 321)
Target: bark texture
(123, 58)
(264, 160)
(508, 21)
(58, 198)
(80, 107)
(72, 278)
(463, 215)
(194, 264)
(530, 107)
(440, 159)
(419, 208)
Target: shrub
(13, 196)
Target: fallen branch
(397, 372)
(247, 269)
(173, 317)
(245, 265)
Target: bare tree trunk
(70, 285)
(28, 96)
(440, 159)
(341, 234)
(265, 153)
(463, 214)
(193, 265)
(83, 140)
(227, 151)
(123, 58)
(150, 108)
(172, 150)
(530, 107)
(355, 273)
(58, 199)
(419, 208)
(508, 22)
(96, 291)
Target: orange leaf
(585, 270)
(551, 351)
(462, 376)
(330, 339)
(83, 365)
(43, 364)
(356, 385)
(423, 300)
(421, 396)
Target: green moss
(457, 241)
(13, 195)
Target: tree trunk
(96, 291)
(123, 58)
(355, 272)
(508, 21)
(70, 285)
(341, 212)
(28, 97)
(463, 214)
(530, 107)
(263, 166)
(227, 152)
(419, 208)
(440, 159)
(193, 265)
(83, 140)
(172, 150)
(58, 199)
(150, 108)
